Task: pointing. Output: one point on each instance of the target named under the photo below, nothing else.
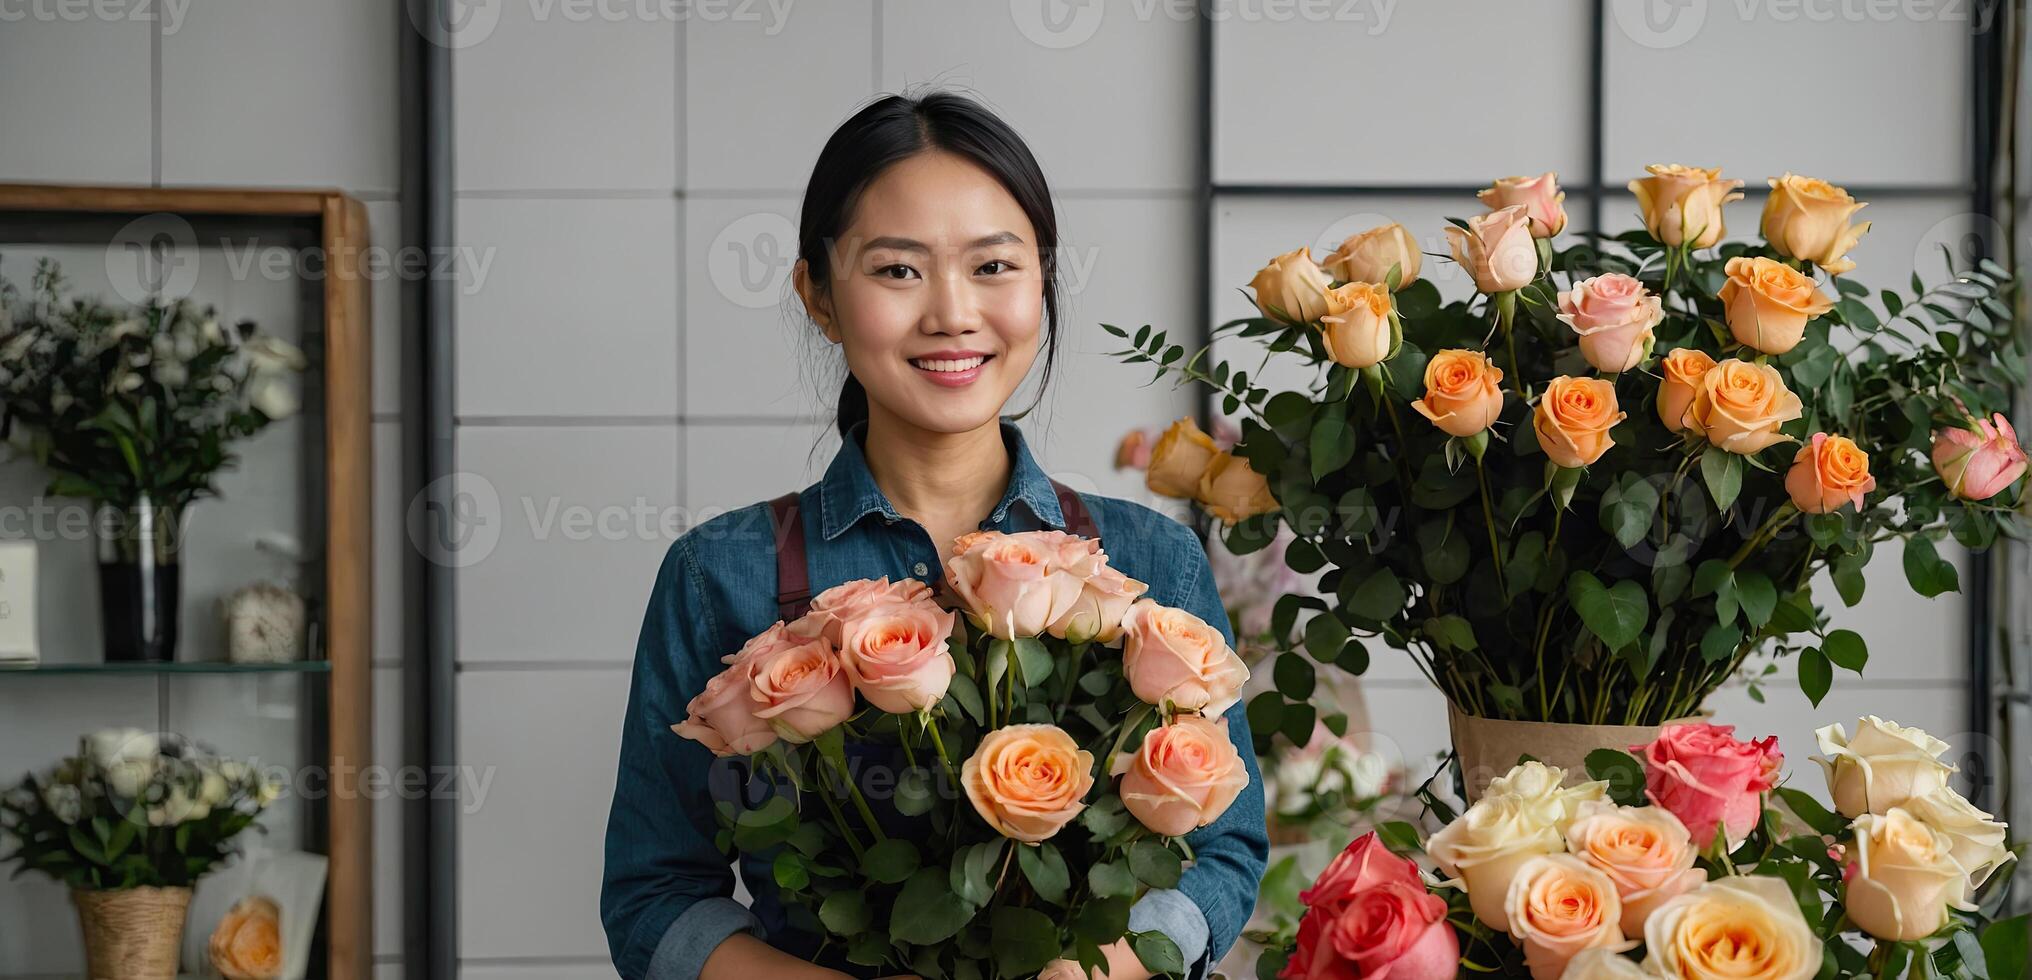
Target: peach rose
(1292, 288)
(1682, 370)
(1368, 256)
(1483, 849)
(1179, 459)
(1462, 392)
(1978, 464)
(1573, 419)
(1027, 781)
(1169, 654)
(722, 717)
(1543, 201)
(1011, 585)
(1356, 329)
(1645, 850)
(1828, 472)
(1683, 205)
(1613, 315)
(1602, 963)
(1559, 905)
(1096, 616)
(1808, 218)
(1902, 878)
(1496, 249)
(896, 654)
(1183, 777)
(776, 637)
(802, 691)
(831, 608)
(1768, 303)
(1731, 928)
(247, 945)
(1739, 406)
(1133, 452)
(1231, 490)
(1885, 765)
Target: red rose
(1709, 779)
(1369, 915)
(1360, 866)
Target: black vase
(140, 589)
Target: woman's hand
(1122, 965)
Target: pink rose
(722, 717)
(1362, 865)
(1012, 585)
(1172, 655)
(1708, 779)
(1393, 929)
(896, 654)
(1544, 203)
(801, 689)
(776, 637)
(848, 599)
(1614, 315)
(1979, 464)
(1184, 776)
(1096, 615)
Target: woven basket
(132, 933)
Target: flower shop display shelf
(324, 234)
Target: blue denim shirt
(667, 898)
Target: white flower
(212, 789)
(1884, 765)
(267, 353)
(127, 757)
(1976, 837)
(273, 396)
(171, 374)
(64, 802)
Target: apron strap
(1077, 520)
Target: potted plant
(1580, 500)
(136, 410)
(130, 824)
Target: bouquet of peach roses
(1592, 491)
(1674, 863)
(1045, 735)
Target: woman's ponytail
(853, 404)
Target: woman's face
(937, 294)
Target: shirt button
(919, 568)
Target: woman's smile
(953, 369)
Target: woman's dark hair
(894, 128)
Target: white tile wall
(1407, 93)
(729, 466)
(749, 349)
(761, 93)
(102, 70)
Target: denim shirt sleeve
(1231, 853)
(666, 898)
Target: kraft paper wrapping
(1490, 747)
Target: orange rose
(1179, 458)
(1682, 370)
(1828, 472)
(1231, 490)
(1184, 776)
(1027, 781)
(1368, 256)
(1683, 205)
(722, 717)
(1808, 218)
(1496, 249)
(1573, 419)
(1733, 927)
(1012, 585)
(1646, 851)
(1559, 905)
(1462, 393)
(834, 606)
(802, 690)
(1739, 406)
(896, 654)
(1096, 616)
(1292, 288)
(1356, 329)
(247, 945)
(1768, 303)
(1169, 654)
(1543, 201)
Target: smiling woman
(926, 254)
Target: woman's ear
(815, 301)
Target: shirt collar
(848, 491)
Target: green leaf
(890, 861)
(1929, 574)
(926, 910)
(1816, 675)
(1324, 636)
(1294, 676)
(1623, 772)
(1379, 597)
(1154, 864)
(1024, 939)
(1719, 643)
(1757, 596)
(1811, 813)
(1400, 837)
(1443, 547)
(1627, 509)
(1046, 869)
(2007, 945)
(1158, 953)
(1332, 444)
(1723, 474)
(845, 912)
(1103, 920)
(789, 871)
(968, 697)
(1615, 613)
(1452, 632)
(1032, 660)
(1847, 649)
(1111, 880)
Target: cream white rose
(1483, 849)
(1977, 837)
(1883, 766)
(1732, 928)
(1903, 877)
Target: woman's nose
(955, 304)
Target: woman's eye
(898, 271)
(993, 266)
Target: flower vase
(132, 933)
(1489, 747)
(140, 588)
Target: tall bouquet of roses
(1057, 733)
(1591, 491)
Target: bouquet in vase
(1055, 735)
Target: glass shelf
(172, 667)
